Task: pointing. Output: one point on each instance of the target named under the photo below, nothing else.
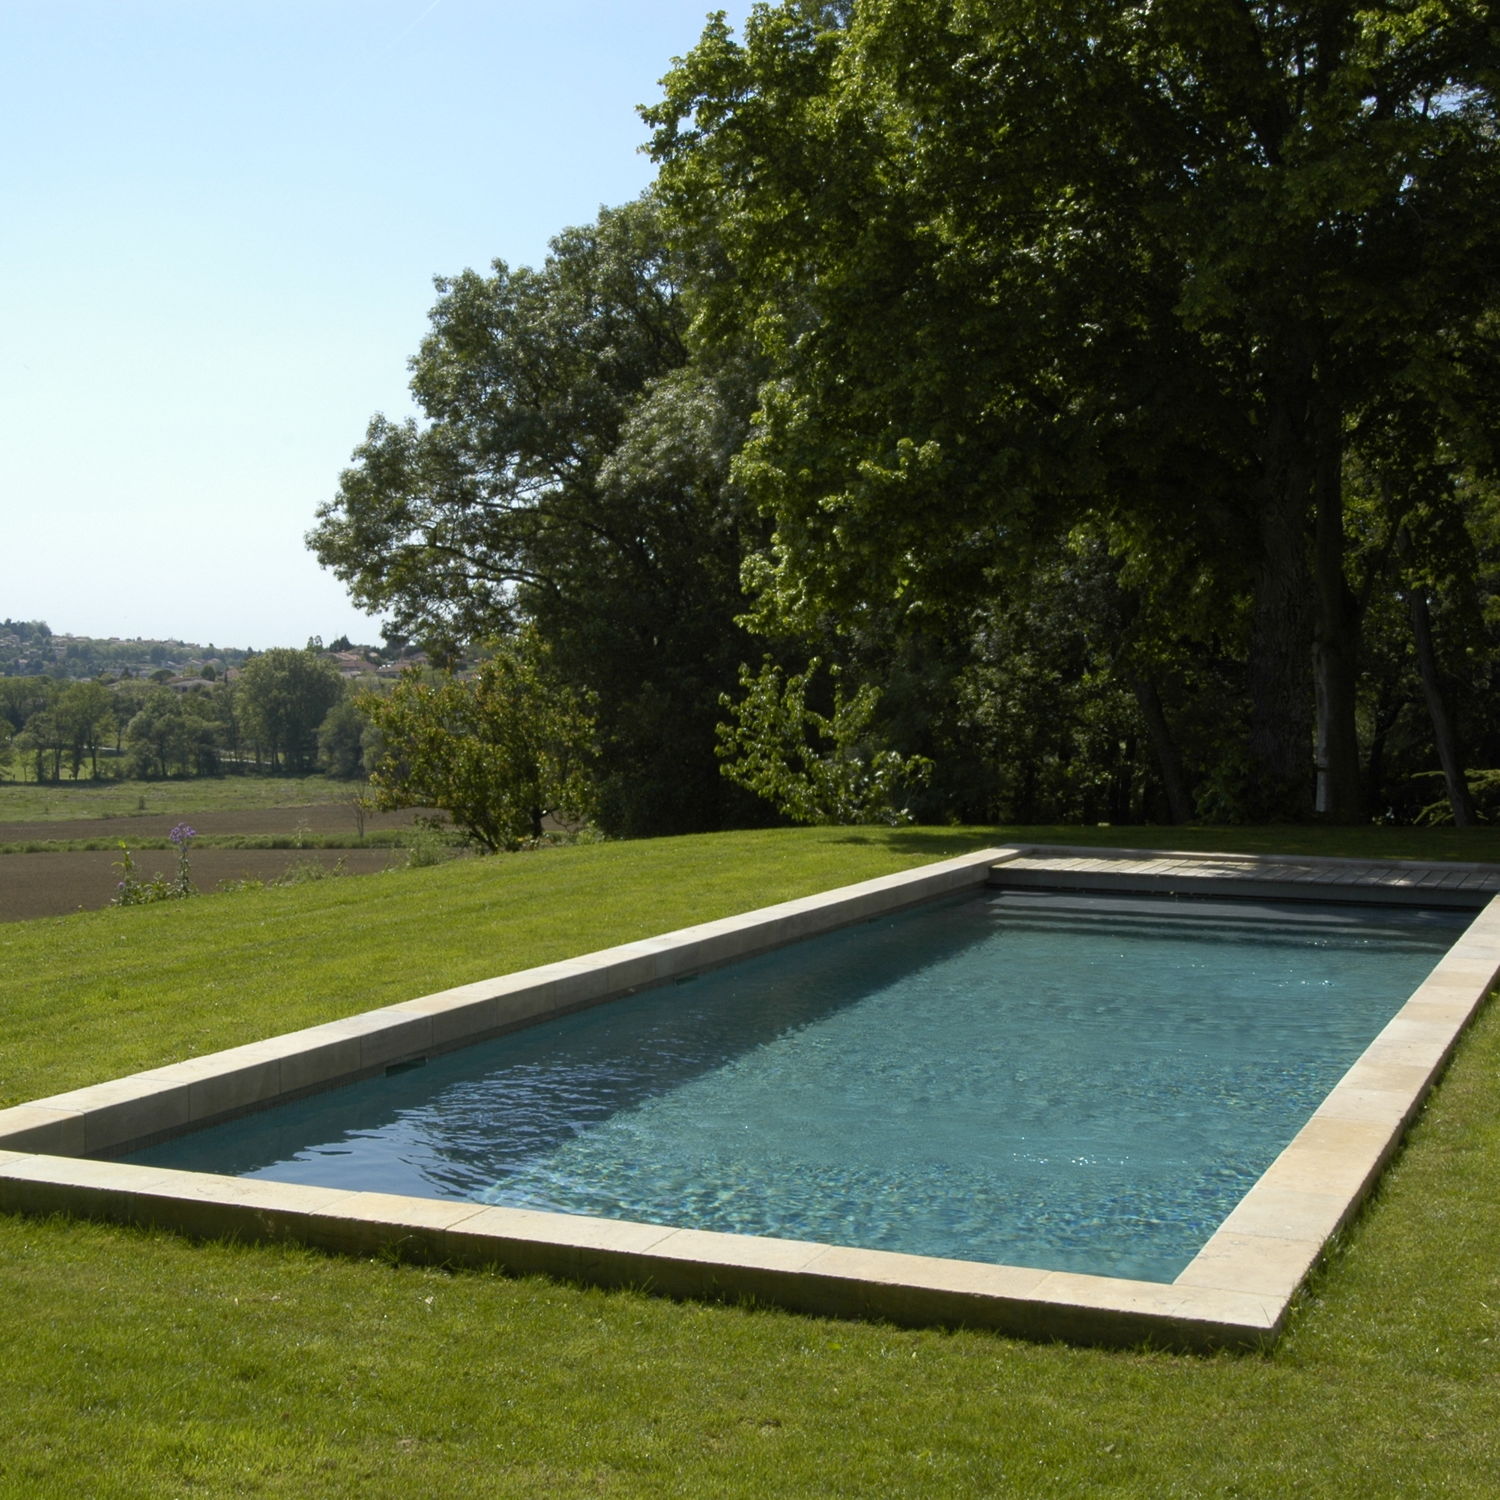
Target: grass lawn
(30, 802)
(135, 1363)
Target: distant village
(28, 648)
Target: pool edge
(1236, 1293)
(1279, 1230)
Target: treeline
(994, 413)
(285, 710)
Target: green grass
(135, 1363)
(27, 802)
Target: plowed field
(49, 885)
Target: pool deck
(1236, 1292)
(1272, 876)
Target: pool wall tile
(1235, 1293)
(452, 1022)
(607, 1252)
(129, 1109)
(317, 1057)
(393, 1228)
(235, 1080)
(386, 1037)
(716, 1252)
(1390, 1108)
(40, 1127)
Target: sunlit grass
(28, 802)
(135, 1363)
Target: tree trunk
(1168, 756)
(1383, 718)
(1280, 707)
(1335, 639)
(1449, 758)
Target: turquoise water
(1078, 1083)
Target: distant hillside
(30, 648)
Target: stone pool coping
(1235, 1293)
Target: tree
(341, 740)
(1018, 266)
(21, 697)
(43, 737)
(498, 752)
(284, 695)
(815, 767)
(85, 714)
(571, 472)
(526, 379)
(168, 734)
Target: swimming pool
(1076, 1083)
(56, 1154)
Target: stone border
(1235, 1293)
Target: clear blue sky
(219, 224)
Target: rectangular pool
(794, 1112)
(1084, 1083)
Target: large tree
(284, 695)
(1017, 263)
(571, 472)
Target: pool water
(1077, 1083)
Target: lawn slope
(135, 1363)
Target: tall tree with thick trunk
(1015, 262)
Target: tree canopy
(1105, 394)
(571, 473)
(284, 695)
(1017, 265)
(499, 751)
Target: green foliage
(285, 695)
(426, 844)
(1484, 786)
(133, 891)
(498, 751)
(86, 718)
(1162, 267)
(305, 871)
(573, 473)
(526, 379)
(814, 767)
(170, 733)
(341, 738)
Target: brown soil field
(329, 817)
(53, 885)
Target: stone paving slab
(1475, 883)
